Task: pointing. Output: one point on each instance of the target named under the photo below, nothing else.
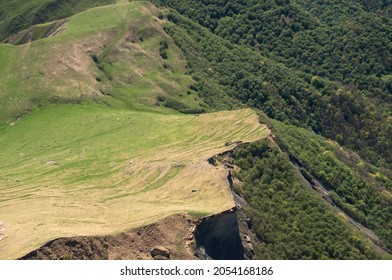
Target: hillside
(92, 55)
(108, 170)
(120, 114)
(120, 162)
(17, 15)
(329, 65)
(292, 97)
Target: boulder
(161, 252)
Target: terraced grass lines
(88, 170)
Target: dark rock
(218, 237)
(160, 251)
(249, 223)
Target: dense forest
(338, 40)
(289, 220)
(328, 67)
(359, 189)
(320, 75)
(353, 109)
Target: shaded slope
(360, 189)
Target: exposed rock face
(218, 237)
(244, 224)
(245, 228)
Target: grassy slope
(60, 69)
(16, 15)
(66, 171)
(71, 166)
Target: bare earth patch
(174, 234)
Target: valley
(121, 118)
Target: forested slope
(318, 72)
(312, 105)
(289, 220)
(338, 55)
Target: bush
(174, 104)
(95, 58)
(161, 98)
(193, 111)
(163, 54)
(163, 46)
(167, 66)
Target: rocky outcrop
(218, 237)
(160, 252)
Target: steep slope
(97, 53)
(89, 142)
(17, 15)
(294, 97)
(337, 74)
(289, 219)
(92, 142)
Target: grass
(60, 69)
(87, 156)
(18, 14)
(90, 169)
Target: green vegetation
(338, 40)
(89, 130)
(342, 48)
(92, 118)
(17, 15)
(354, 186)
(329, 106)
(99, 56)
(289, 219)
(163, 49)
(79, 168)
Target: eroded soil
(174, 233)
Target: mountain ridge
(114, 65)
